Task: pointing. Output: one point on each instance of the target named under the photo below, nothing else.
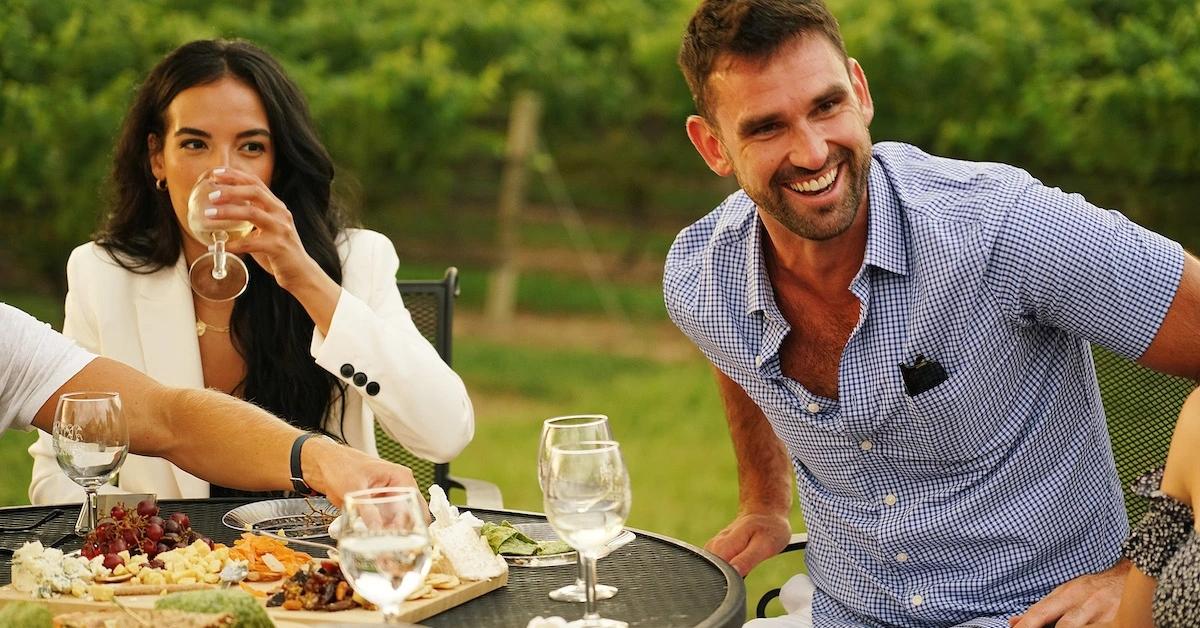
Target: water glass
(91, 440)
(587, 499)
(573, 429)
(384, 546)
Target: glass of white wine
(91, 440)
(216, 275)
(572, 429)
(587, 500)
(384, 546)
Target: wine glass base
(598, 622)
(576, 593)
(227, 288)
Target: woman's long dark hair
(269, 327)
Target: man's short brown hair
(751, 29)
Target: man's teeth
(816, 185)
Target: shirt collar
(759, 293)
(885, 232)
(885, 240)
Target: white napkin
(547, 622)
(444, 514)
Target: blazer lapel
(166, 322)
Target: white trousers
(796, 595)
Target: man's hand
(761, 528)
(1093, 598)
(750, 539)
(338, 469)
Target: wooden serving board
(413, 611)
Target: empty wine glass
(587, 500)
(384, 546)
(572, 429)
(216, 275)
(90, 439)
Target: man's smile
(815, 186)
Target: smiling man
(908, 336)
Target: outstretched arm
(761, 528)
(222, 439)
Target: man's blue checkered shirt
(976, 498)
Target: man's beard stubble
(841, 212)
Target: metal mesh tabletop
(663, 582)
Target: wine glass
(587, 500)
(216, 275)
(384, 546)
(90, 439)
(572, 429)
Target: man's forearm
(222, 439)
(764, 467)
(206, 433)
(225, 440)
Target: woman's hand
(274, 242)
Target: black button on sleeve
(373, 388)
(360, 379)
(347, 370)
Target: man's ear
(709, 145)
(154, 144)
(858, 82)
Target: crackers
(434, 582)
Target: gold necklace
(202, 327)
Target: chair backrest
(431, 304)
(1141, 407)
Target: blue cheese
(46, 572)
(235, 571)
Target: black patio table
(663, 582)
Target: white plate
(293, 518)
(543, 532)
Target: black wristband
(298, 483)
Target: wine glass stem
(589, 579)
(219, 271)
(89, 511)
(580, 579)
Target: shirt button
(814, 408)
(758, 360)
(890, 500)
(347, 370)
(903, 558)
(360, 379)
(866, 445)
(916, 600)
(373, 388)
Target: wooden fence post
(501, 301)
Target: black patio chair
(1140, 407)
(431, 304)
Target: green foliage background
(411, 96)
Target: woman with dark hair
(320, 337)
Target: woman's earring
(161, 184)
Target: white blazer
(148, 322)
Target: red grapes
(139, 531)
(147, 508)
